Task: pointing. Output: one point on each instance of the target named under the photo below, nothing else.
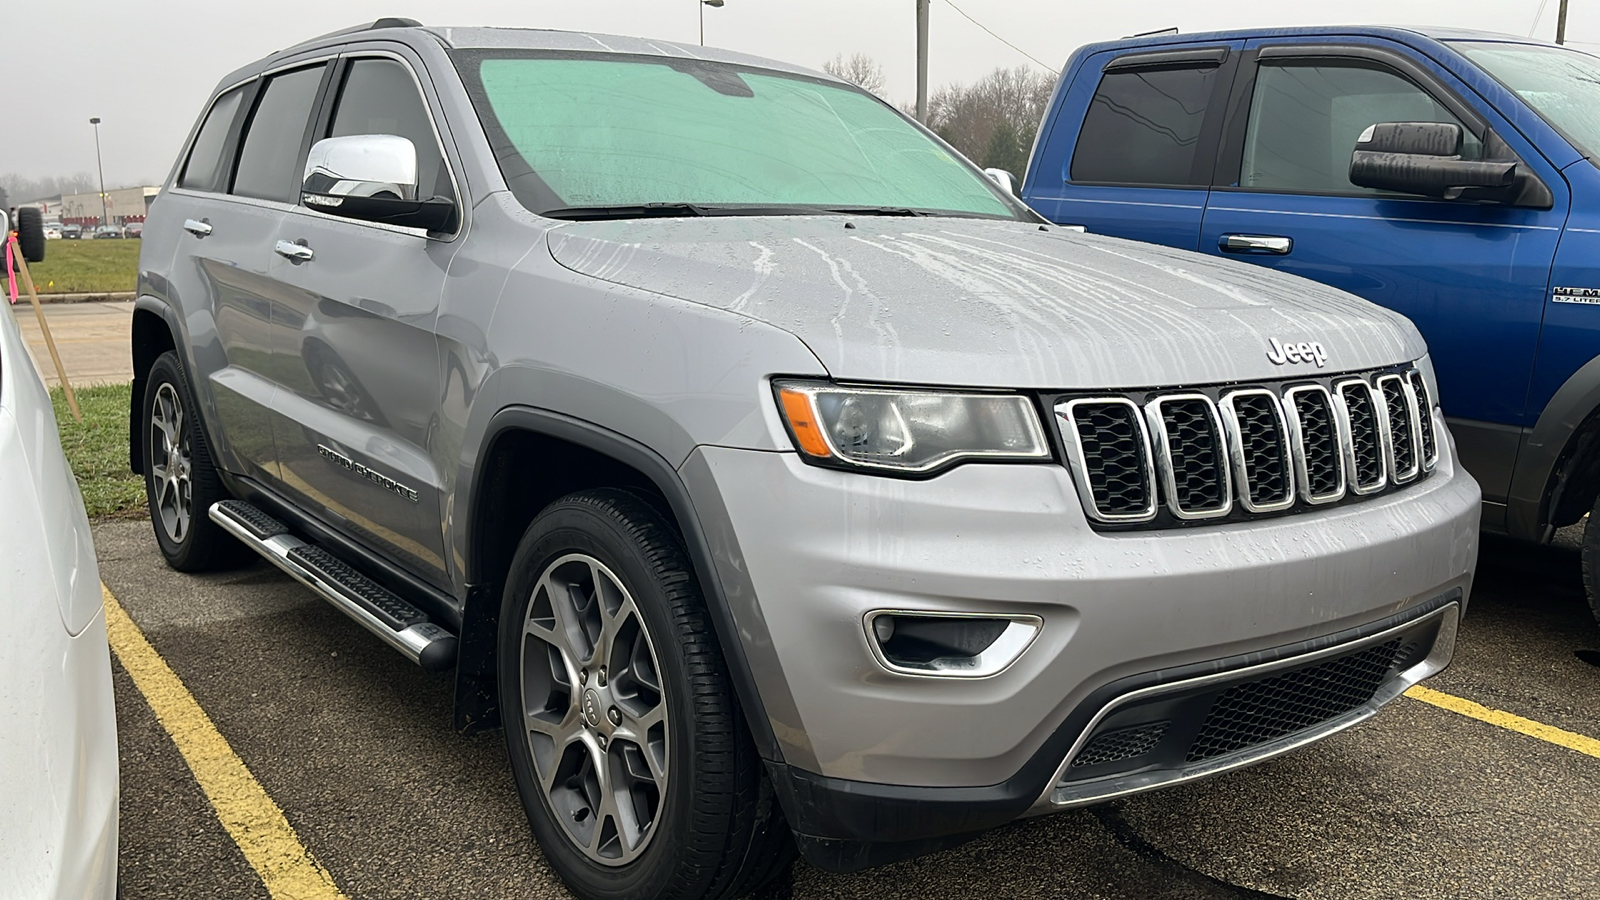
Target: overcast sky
(145, 66)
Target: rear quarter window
(205, 168)
(1143, 127)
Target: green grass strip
(97, 449)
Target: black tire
(718, 830)
(1591, 559)
(199, 545)
(30, 233)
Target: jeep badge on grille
(1302, 352)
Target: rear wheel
(179, 479)
(626, 742)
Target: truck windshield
(591, 136)
(1561, 85)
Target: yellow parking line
(251, 817)
(1499, 718)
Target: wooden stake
(61, 371)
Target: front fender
(1536, 486)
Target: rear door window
(1143, 127)
(1305, 119)
(206, 169)
(380, 97)
(271, 153)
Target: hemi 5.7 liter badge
(1577, 295)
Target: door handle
(295, 253)
(197, 227)
(1255, 243)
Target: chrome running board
(373, 606)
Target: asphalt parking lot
(355, 745)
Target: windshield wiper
(639, 211)
(691, 210)
(878, 211)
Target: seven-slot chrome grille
(1157, 458)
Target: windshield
(1561, 85)
(652, 136)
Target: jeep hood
(971, 302)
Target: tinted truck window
(1304, 121)
(380, 97)
(1143, 127)
(267, 162)
(204, 170)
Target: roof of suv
(456, 38)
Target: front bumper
(804, 554)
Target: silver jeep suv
(768, 472)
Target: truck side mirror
(1425, 158)
(371, 177)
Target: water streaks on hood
(984, 303)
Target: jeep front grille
(1364, 452)
(1193, 464)
(1430, 445)
(1111, 447)
(1159, 458)
(1314, 436)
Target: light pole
(714, 4)
(922, 60)
(105, 217)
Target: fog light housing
(949, 645)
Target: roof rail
(385, 22)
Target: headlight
(909, 432)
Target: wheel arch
(529, 458)
(1557, 475)
(153, 333)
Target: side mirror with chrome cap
(1006, 180)
(371, 177)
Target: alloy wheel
(593, 710)
(170, 463)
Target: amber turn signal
(803, 422)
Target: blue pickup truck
(1448, 175)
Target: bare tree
(860, 70)
(993, 122)
(26, 190)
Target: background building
(122, 206)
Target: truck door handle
(295, 253)
(197, 227)
(1255, 243)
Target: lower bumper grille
(1209, 723)
(1260, 711)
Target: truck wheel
(1591, 559)
(30, 234)
(179, 479)
(626, 742)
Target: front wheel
(627, 745)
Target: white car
(52, 231)
(58, 727)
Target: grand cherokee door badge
(383, 481)
(1577, 295)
